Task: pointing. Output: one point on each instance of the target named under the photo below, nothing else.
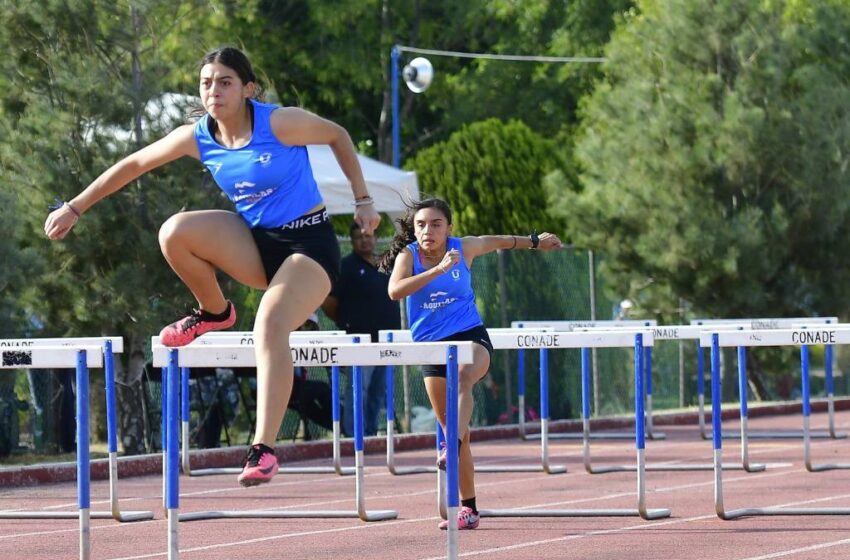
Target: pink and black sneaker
(260, 465)
(187, 329)
(466, 519)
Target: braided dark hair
(405, 234)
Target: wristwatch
(535, 240)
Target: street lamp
(417, 75)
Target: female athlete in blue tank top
(432, 270)
(278, 239)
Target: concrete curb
(151, 464)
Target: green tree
(714, 158)
(491, 173)
(84, 85)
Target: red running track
(693, 531)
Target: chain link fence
(36, 407)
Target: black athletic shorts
(311, 235)
(475, 334)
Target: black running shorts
(311, 235)
(475, 334)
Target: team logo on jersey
(436, 303)
(214, 166)
(265, 159)
(456, 274)
(242, 185)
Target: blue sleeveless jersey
(269, 182)
(445, 305)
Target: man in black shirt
(359, 303)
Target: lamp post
(418, 75)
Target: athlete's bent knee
(170, 231)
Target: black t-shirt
(364, 306)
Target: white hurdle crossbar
(568, 326)
(743, 339)
(585, 341)
(768, 324)
(405, 336)
(81, 357)
(303, 355)
(109, 345)
(247, 339)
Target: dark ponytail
(405, 234)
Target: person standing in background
(359, 304)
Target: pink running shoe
(466, 519)
(443, 456)
(187, 329)
(260, 465)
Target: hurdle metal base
(377, 515)
(556, 469)
(125, 516)
(661, 467)
(284, 470)
(791, 434)
(758, 512)
(649, 514)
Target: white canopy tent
(390, 187)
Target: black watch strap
(535, 240)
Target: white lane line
(654, 524)
(277, 537)
(800, 550)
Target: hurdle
(769, 324)
(804, 370)
(247, 339)
(108, 345)
(659, 332)
(586, 341)
(403, 335)
(303, 355)
(742, 340)
(568, 326)
(80, 356)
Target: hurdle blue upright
(586, 341)
(567, 326)
(247, 339)
(109, 345)
(403, 335)
(742, 340)
(659, 332)
(303, 355)
(81, 357)
(769, 324)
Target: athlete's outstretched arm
(475, 246)
(180, 142)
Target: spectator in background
(359, 304)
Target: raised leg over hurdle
(303, 355)
(247, 339)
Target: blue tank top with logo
(269, 182)
(445, 305)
